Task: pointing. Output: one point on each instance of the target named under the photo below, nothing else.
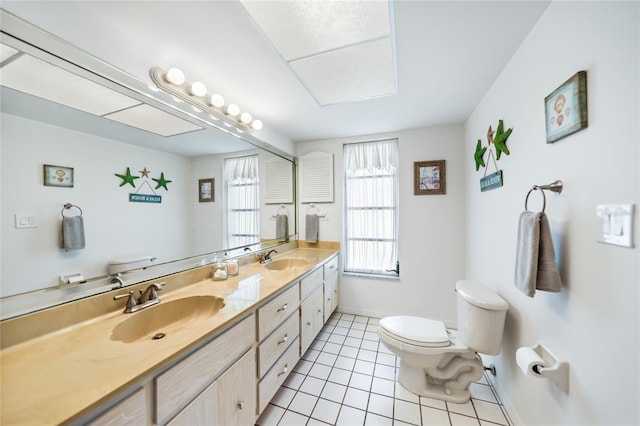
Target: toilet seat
(416, 331)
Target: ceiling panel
(153, 120)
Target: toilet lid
(416, 330)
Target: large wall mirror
(63, 108)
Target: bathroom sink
(166, 318)
(281, 264)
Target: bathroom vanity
(78, 363)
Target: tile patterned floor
(347, 378)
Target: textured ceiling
(448, 55)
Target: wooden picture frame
(61, 176)
(565, 109)
(206, 190)
(429, 177)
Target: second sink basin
(166, 318)
(281, 264)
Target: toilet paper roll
(529, 361)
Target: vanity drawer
(310, 282)
(277, 375)
(275, 312)
(331, 267)
(179, 385)
(275, 345)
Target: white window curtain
(371, 207)
(242, 184)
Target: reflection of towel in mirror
(72, 233)
(311, 228)
(282, 226)
(535, 257)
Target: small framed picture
(429, 177)
(58, 176)
(565, 109)
(206, 191)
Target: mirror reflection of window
(241, 186)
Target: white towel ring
(69, 206)
(544, 198)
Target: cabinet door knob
(319, 311)
(285, 306)
(284, 370)
(308, 324)
(284, 339)
(240, 405)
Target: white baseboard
(504, 398)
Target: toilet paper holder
(552, 367)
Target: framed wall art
(58, 176)
(206, 191)
(429, 177)
(565, 109)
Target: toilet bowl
(439, 362)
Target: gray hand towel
(311, 228)
(72, 233)
(282, 226)
(535, 257)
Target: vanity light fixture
(173, 82)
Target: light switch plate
(616, 224)
(26, 220)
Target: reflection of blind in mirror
(316, 177)
(279, 181)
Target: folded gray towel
(311, 228)
(72, 233)
(282, 226)
(535, 257)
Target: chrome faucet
(148, 297)
(266, 257)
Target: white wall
(114, 227)
(593, 323)
(431, 229)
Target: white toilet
(441, 363)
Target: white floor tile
(323, 336)
(489, 411)
(407, 412)
(434, 417)
(460, 420)
(399, 423)
(372, 327)
(313, 386)
(385, 372)
(376, 420)
(406, 395)
(283, 397)
(340, 376)
(303, 366)
(353, 341)
(303, 403)
(344, 323)
(383, 386)
(363, 367)
(360, 318)
(356, 398)
(349, 351)
(350, 416)
(380, 404)
(369, 345)
(326, 358)
(315, 422)
(346, 363)
(367, 355)
(328, 328)
(348, 317)
(374, 321)
(320, 371)
(334, 392)
(270, 416)
(360, 381)
(292, 419)
(332, 348)
(326, 411)
(311, 355)
(341, 331)
(434, 403)
(332, 321)
(294, 380)
(317, 345)
(464, 408)
(382, 348)
(370, 335)
(386, 359)
(483, 392)
(358, 326)
(336, 338)
(359, 334)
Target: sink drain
(158, 336)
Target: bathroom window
(241, 185)
(371, 208)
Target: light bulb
(245, 118)
(216, 100)
(233, 110)
(198, 89)
(174, 76)
(256, 125)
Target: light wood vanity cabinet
(311, 319)
(130, 411)
(331, 289)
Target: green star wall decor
(128, 178)
(162, 182)
(478, 156)
(500, 140)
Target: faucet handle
(131, 301)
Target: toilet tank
(481, 315)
